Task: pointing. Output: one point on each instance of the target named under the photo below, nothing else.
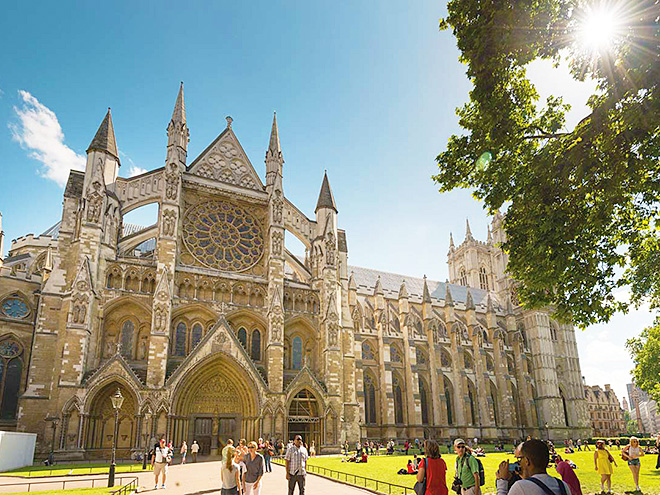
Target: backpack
(482, 473)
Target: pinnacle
(104, 140)
(274, 143)
(378, 289)
(448, 298)
(468, 232)
(469, 302)
(426, 296)
(351, 282)
(179, 113)
(403, 291)
(451, 241)
(489, 305)
(326, 199)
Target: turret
(102, 152)
(326, 210)
(178, 133)
(426, 301)
(468, 231)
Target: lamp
(53, 422)
(117, 400)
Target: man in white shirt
(534, 459)
(159, 461)
(194, 448)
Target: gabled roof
(104, 140)
(326, 199)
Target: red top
(436, 476)
(568, 475)
(411, 468)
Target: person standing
(268, 453)
(603, 461)
(295, 462)
(467, 469)
(568, 475)
(159, 462)
(231, 483)
(434, 469)
(312, 449)
(633, 452)
(194, 448)
(254, 470)
(225, 449)
(184, 451)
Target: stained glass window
(242, 336)
(196, 336)
(10, 381)
(423, 400)
(13, 307)
(450, 410)
(367, 353)
(395, 355)
(468, 361)
(222, 235)
(9, 349)
(127, 334)
(296, 353)
(180, 339)
(369, 400)
(398, 401)
(256, 345)
(421, 357)
(445, 360)
(483, 278)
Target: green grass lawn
(73, 491)
(68, 469)
(384, 468)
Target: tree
(645, 352)
(583, 204)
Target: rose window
(224, 236)
(14, 307)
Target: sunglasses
(460, 446)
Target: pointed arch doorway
(305, 418)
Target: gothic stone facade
(211, 328)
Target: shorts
(160, 467)
(633, 462)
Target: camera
(514, 467)
(456, 485)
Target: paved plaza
(189, 479)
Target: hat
(459, 441)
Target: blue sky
(366, 90)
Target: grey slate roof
(128, 229)
(366, 278)
(326, 199)
(104, 140)
(74, 185)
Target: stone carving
(276, 326)
(160, 318)
(278, 206)
(94, 203)
(222, 235)
(79, 310)
(277, 243)
(333, 333)
(226, 163)
(330, 249)
(169, 222)
(172, 182)
(142, 350)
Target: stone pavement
(190, 479)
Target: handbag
(420, 486)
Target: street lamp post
(53, 423)
(117, 401)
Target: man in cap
(467, 469)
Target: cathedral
(211, 329)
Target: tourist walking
(534, 459)
(225, 449)
(296, 462)
(159, 461)
(467, 469)
(183, 452)
(632, 453)
(433, 469)
(231, 482)
(268, 453)
(568, 475)
(254, 470)
(194, 448)
(603, 461)
(312, 449)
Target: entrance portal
(304, 418)
(203, 434)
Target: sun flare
(598, 28)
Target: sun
(598, 30)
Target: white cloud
(39, 132)
(135, 170)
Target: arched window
(463, 277)
(10, 378)
(445, 359)
(296, 353)
(450, 408)
(493, 398)
(127, 335)
(369, 400)
(471, 399)
(256, 345)
(395, 355)
(553, 332)
(180, 339)
(423, 400)
(421, 357)
(468, 361)
(483, 278)
(563, 401)
(490, 366)
(398, 401)
(242, 337)
(367, 353)
(196, 335)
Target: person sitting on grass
(364, 457)
(534, 457)
(409, 469)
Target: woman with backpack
(603, 461)
(432, 470)
(631, 453)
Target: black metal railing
(126, 489)
(355, 479)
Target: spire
(403, 291)
(426, 296)
(179, 113)
(489, 305)
(468, 232)
(469, 302)
(448, 299)
(490, 236)
(451, 241)
(274, 149)
(378, 289)
(326, 199)
(104, 140)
